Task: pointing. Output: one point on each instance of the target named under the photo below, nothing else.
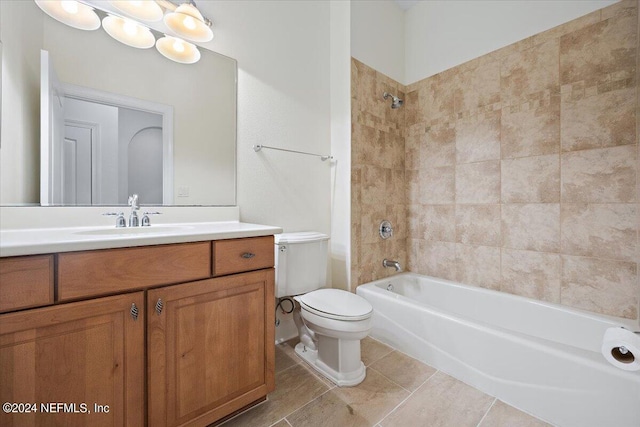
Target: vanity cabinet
(210, 347)
(180, 343)
(84, 353)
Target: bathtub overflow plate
(386, 230)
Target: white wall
(282, 49)
(442, 34)
(378, 36)
(20, 136)
(340, 63)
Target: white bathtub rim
(630, 324)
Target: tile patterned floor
(398, 391)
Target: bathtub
(541, 358)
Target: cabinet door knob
(248, 255)
(134, 311)
(159, 306)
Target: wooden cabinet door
(64, 357)
(210, 349)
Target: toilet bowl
(330, 322)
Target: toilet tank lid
(300, 237)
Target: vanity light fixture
(144, 10)
(187, 22)
(72, 13)
(128, 32)
(178, 50)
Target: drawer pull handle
(159, 306)
(248, 255)
(134, 311)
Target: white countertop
(31, 241)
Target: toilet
(330, 322)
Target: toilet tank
(301, 262)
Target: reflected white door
(145, 165)
(76, 161)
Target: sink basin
(128, 231)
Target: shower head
(396, 103)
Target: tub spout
(395, 264)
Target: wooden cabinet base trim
(237, 405)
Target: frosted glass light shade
(178, 50)
(144, 10)
(187, 22)
(72, 13)
(128, 32)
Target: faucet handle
(146, 221)
(120, 221)
(133, 202)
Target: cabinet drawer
(26, 282)
(83, 274)
(237, 255)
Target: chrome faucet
(388, 263)
(133, 216)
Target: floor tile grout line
(308, 403)
(495, 399)
(287, 421)
(390, 380)
(407, 398)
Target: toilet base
(341, 379)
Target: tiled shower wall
(377, 174)
(520, 168)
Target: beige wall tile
(415, 222)
(531, 129)
(604, 286)
(534, 227)
(531, 274)
(478, 87)
(439, 99)
(412, 186)
(503, 415)
(478, 266)
(442, 401)
(601, 120)
(438, 147)
(598, 49)
(371, 217)
(397, 214)
(600, 176)
(525, 74)
(478, 182)
(374, 182)
(395, 185)
(412, 148)
(438, 223)
(621, 8)
(531, 179)
(478, 225)
(600, 230)
(437, 185)
(436, 259)
(477, 138)
(567, 27)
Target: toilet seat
(336, 304)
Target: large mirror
(173, 139)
